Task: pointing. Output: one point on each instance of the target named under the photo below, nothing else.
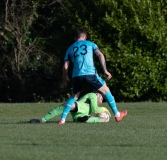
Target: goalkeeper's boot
(36, 120)
(62, 121)
(122, 115)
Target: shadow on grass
(138, 145)
(28, 122)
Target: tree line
(34, 36)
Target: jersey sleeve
(93, 102)
(67, 56)
(84, 98)
(94, 46)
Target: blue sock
(68, 106)
(111, 102)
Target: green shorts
(83, 114)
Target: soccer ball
(104, 115)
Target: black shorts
(94, 80)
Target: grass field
(142, 135)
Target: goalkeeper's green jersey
(86, 105)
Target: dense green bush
(132, 34)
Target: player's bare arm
(103, 63)
(65, 73)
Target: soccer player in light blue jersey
(80, 53)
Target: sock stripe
(112, 102)
(69, 105)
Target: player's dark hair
(79, 32)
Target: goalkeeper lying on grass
(81, 110)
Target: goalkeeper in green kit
(81, 110)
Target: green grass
(142, 135)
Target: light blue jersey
(81, 54)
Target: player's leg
(110, 98)
(99, 84)
(55, 112)
(77, 86)
(111, 102)
(67, 108)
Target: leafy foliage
(131, 34)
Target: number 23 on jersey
(80, 50)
